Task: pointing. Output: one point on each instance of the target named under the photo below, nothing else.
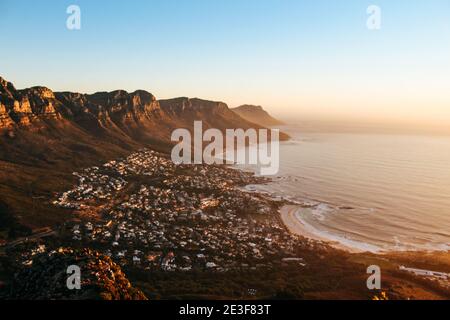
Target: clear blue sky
(299, 57)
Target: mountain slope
(46, 279)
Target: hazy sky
(297, 58)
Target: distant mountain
(185, 111)
(46, 135)
(256, 114)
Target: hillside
(46, 279)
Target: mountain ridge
(136, 114)
(257, 114)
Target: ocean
(376, 192)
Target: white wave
(321, 211)
(350, 243)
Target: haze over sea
(368, 191)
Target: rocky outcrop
(257, 114)
(46, 279)
(5, 119)
(23, 107)
(38, 103)
(7, 90)
(122, 101)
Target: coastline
(295, 226)
(288, 216)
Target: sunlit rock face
(5, 119)
(25, 107)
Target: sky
(298, 59)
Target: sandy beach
(295, 226)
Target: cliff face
(136, 104)
(7, 102)
(111, 114)
(23, 107)
(257, 114)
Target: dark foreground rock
(46, 279)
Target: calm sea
(371, 191)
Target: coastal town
(146, 212)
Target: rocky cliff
(24, 107)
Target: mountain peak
(42, 92)
(249, 107)
(4, 82)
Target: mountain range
(46, 135)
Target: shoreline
(288, 215)
(297, 227)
